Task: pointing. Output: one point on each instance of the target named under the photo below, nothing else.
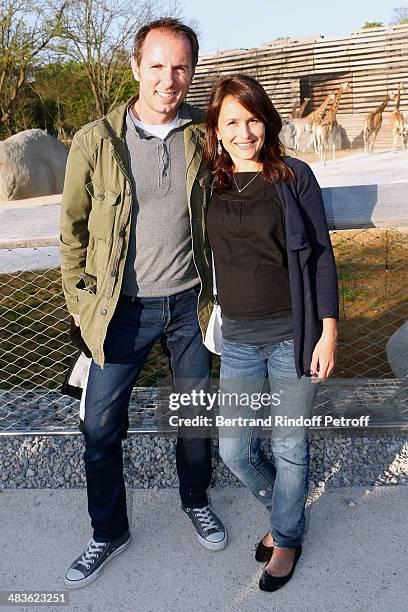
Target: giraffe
(372, 125)
(328, 126)
(397, 122)
(298, 111)
(305, 124)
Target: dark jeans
(135, 327)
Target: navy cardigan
(311, 264)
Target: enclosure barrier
(369, 233)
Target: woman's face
(242, 134)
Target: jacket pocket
(102, 216)
(86, 289)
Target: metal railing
(35, 351)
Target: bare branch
(99, 35)
(400, 15)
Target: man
(132, 233)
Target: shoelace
(93, 550)
(205, 518)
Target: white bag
(213, 335)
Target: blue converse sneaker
(211, 533)
(90, 565)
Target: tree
(400, 15)
(26, 29)
(97, 34)
(63, 100)
(372, 24)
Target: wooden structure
(372, 61)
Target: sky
(250, 23)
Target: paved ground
(363, 169)
(354, 553)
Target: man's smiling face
(165, 73)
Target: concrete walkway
(355, 553)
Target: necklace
(247, 185)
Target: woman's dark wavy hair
(250, 93)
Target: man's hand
(76, 319)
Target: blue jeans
(136, 325)
(281, 484)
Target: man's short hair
(172, 25)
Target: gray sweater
(160, 256)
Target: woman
(277, 288)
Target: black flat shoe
(263, 553)
(273, 583)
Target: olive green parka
(95, 221)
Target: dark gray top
(160, 256)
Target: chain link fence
(35, 351)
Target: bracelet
(330, 340)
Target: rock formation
(32, 164)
